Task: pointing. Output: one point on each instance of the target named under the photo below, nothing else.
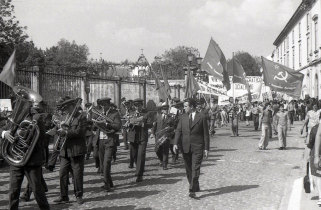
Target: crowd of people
(180, 128)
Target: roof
(300, 11)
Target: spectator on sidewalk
(311, 119)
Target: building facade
(298, 46)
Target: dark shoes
(80, 200)
(282, 148)
(165, 167)
(192, 195)
(131, 166)
(61, 200)
(25, 198)
(139, 179)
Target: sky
(116, 30)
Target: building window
(299, 29)
(287, 43)
(308, 21)
(300, 55)
(293, 58)
(316, 34)
(293, 36)
(308, 48)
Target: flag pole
(233, 77)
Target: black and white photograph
(160, 105)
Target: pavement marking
(295, 198)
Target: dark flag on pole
(281, 78)
(239, 75)
(167, 87)
(159, 85)
(191, 86)
(214, 63)
(8, 73)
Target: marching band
(77, 132)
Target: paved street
(236, 176)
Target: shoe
(61, 200)
(192, 195)
(80, 200)
(160, 164)
(319, 202)
(106, 189)
(130, 166)
(25, 198)
(126, 147)
(165, 167)
(281, 148)
(139, 179)
(87, 157)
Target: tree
(250, 64)
(175, 60)
(67, 56)
(11, 33)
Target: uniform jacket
(113, 139)
(76, 140)
(140, 132)
(161, 123)
(37, 157)
(195, 136)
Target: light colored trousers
(264, 141)
(282, 135)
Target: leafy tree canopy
(11, 33)
(251, 65)
(173, 61)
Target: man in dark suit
(138, 137)
(72, 154)
(193, 129)
(32, 169)
(108, 141)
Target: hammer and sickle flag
(214, 63)
(281, 78)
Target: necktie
(190, 120)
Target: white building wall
(303, 35)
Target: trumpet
(132, 121)
(100, 120)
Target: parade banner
(214, 63)
(281, 78)
(210, 89)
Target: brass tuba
(62, 134)
(25, 132)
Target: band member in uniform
(56, 119)
(138, 137)
(161, 134)
(73, 151)
(37, 110)
(193, 129)
(108, 140)
(126, 111)
(32, 169)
